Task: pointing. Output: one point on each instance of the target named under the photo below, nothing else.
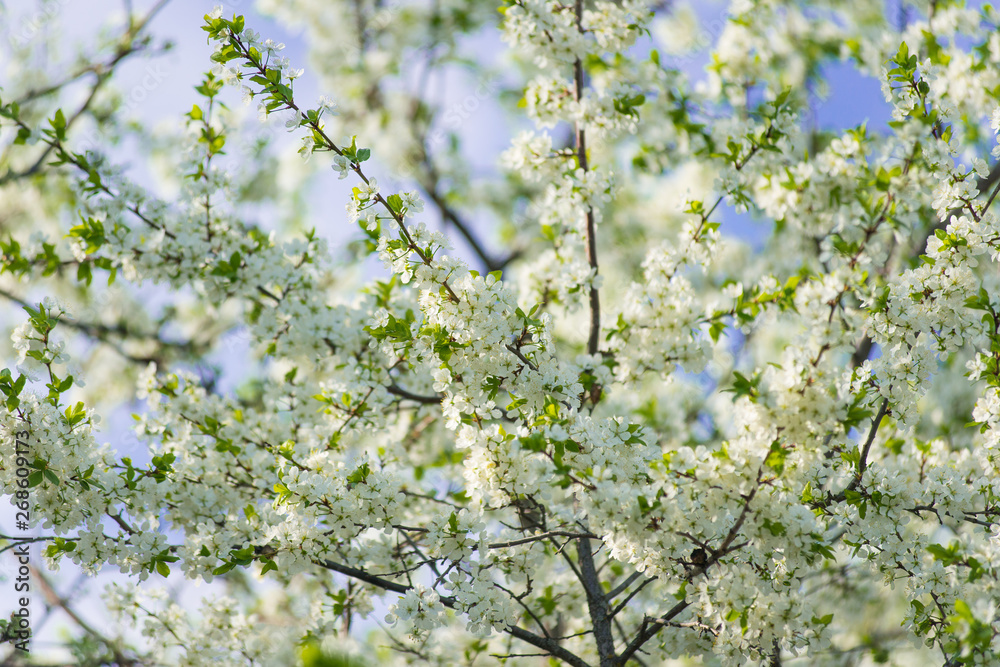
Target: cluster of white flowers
(548, 30)
(223, 635)
(662, 315)
(531, 157)
(421, 607)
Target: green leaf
(222, 569)
(716, 329)
(395, 203)
(744, 386)
(59, 124)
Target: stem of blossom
(105, 334)
(103, 71)
(266, 292)
(121, 522)
(581, 154)
(14, 542)
(33, 169)
(70, 158)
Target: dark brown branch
(863, 463)
(650, 628)
(431, 188)
(541, 536)
(517, 353)
(861, 352)
(624, 603)
(396, 390)
(625, 584)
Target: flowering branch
(580, 140)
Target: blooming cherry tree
(611, 434)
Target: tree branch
(541, 536)
(431, 188)
(597, 604)
(549, 645)
(581, 154)
(396, 390)
(863, 463)
(650, 628)
(625, 584)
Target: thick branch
(597, 604)
(625, 584)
